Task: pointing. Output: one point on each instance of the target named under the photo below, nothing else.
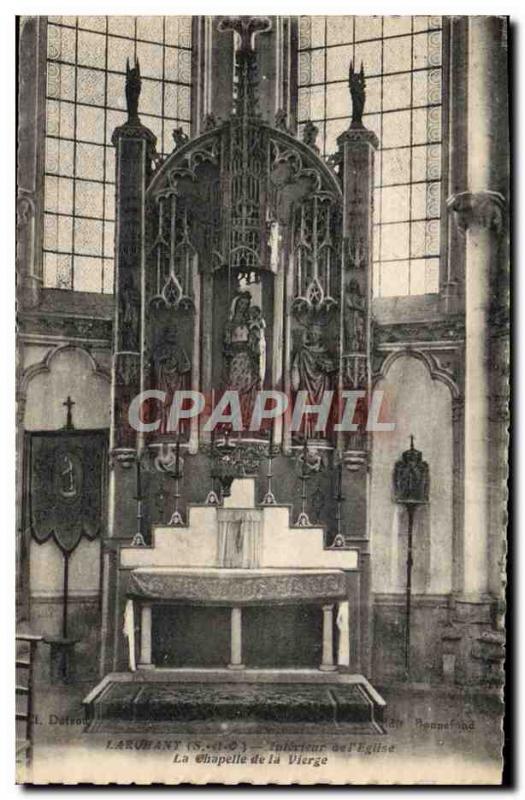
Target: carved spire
(133, 87)
(356, 83)
(245, 100)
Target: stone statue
(179, 137)
(354, 319)
(129, 313)
(209, 122)
(133, 87)
(172, 371)
(312, 370)
(310, 132)
(356, 82)
(244, 350)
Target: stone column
(355, 159)
(479, 214)
(145, 637)
(135, 146)
(135, 150)
(236, 639)
(355, 156)
(327, 663)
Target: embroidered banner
(66, 486)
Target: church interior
(306, 204)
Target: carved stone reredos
(260, 173)
(243, 173)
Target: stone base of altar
(169, 700)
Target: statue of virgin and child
(244, 348)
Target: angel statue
(244, 350)
(356, 82)
(133, 87)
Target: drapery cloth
(240, 538)
(129, 633)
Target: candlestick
(303, 520)
(212, 498)
(339, 502)
(177, 518)
(269, 497)
(138, 539)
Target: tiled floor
(434, 736)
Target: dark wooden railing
(25, 662)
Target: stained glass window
(85, 102)
(402, 58)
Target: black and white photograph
(262, 398)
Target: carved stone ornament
(481, 209)
(68, 327)
(245, 588)
(231, 460)
(123, 456)
(309, 462)
(172, 296)
(452, 329)
(315, 308)
(169, 461)
(358, 135)
(357, 251)
(135, 130)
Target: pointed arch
(436, 372)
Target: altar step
(169, 705)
